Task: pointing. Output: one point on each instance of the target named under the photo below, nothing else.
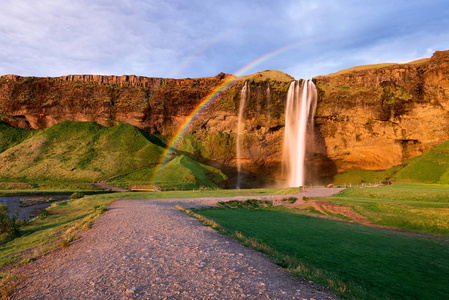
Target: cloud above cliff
(202, 38)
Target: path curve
(147, 249)
(108, 187)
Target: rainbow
(172, 144)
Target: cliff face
(377, 117)
(371, 117)
(148, 103)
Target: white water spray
(244, 94)
(268, 106)
(299, 119)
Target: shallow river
(34, 205)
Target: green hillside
(84, 152)
(429, 167)
(11, 136)
(181, 172)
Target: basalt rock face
(375, 118)
(369, 118)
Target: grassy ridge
(180, 172)
(88, 152)
(78, 151)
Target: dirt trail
(109, 187)
(149, 250)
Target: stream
(29, 207)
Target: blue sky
(203, 38)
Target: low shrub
(100, 208)
(9, 225)
(290, 200)
(76, 195)
(44, 214)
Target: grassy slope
(180, 172)
(87, 152)
(430, 167)
(79, 151)
(385, 264)
(11, 136)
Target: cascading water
(268, 106)
(244, 94)
(299, 119)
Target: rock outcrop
(375, 118)
(370, 117)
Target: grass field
(415, 207)
(357, 260)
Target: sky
(179, 38)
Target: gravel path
(149, 250)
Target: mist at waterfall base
(298, 136)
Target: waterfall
(299, 119)
(244, 94)
(268, 106)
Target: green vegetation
(364, 176)
(430, 167)
(10, 189)
(76, 195)
(417, 207)
(9, 227)
(78, 152)
(180, 173)
(249, 203)
(11, 136)
(74, 152)
(355, 261)
(192, 173)
(47, 186)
